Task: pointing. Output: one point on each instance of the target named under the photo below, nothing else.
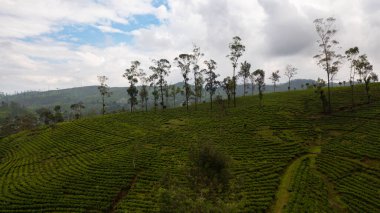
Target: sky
(50, 44)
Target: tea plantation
(285, 157)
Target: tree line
(327, 58)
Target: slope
(119, 162)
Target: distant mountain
(89, 95)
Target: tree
(161, 69)
(327, 58)
(184, 61)
(290, 72)
(132, 74)
(237, 49)
(174, 90)
(227, 86)
(198, 79)
(144, 91)
(199, 86)
(58, 117)
(260, 77)
(244, 73)
(252, 78)
(166, 90)
(211, 82)
(104, 90)
(275, 77)
(156, 96)
(45, 115)
(77, 109)
(320, 83)
(365, 69)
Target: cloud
(275, 33)
(296, 30)
(20, 19)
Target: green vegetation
(145, 161)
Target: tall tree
(167, 94)
(161, 69)
(174, 91)
(252, 79)
(132, 74)
(275, 77)
(155, 93)
(244, 73)
(211, 82)
(237, 49)
(144, 93)
(365, 69)
(184, 61)
(290, 72)
(198, 90)
(104, 90)
(198, 79)
(58, 117)
(327, 58)
(77, 109)
(227, 86)
(351, 55)
(260, 77)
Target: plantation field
(285, 157)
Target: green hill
(286, 157)
(90, 96)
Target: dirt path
(282, 195)
(123, 193)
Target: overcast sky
(49, 44)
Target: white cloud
(275, 32)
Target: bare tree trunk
(329, 92)
(244, 87)
(146, 104)
(234, 90)
(162, 97)
(103, 105)
(211, 100)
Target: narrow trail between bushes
(121, 195)
(282, 195)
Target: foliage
(236, 51)
(132, 74)
(209, 169)
(275, 77)
(184, 61)
(290, 72)
(327, 57)
(351, 55)
(211, 81)
(174, 91)
(259, 79)
(244, 73)
(77, 109)
(228, 86)
(104, 90)
(198, 79)
(365, 71)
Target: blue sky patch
(158, 3)
(80, 34)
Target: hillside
(285, 157)
(89, 95)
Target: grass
(87, 165)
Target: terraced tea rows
(117, 162)
(308, 191)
